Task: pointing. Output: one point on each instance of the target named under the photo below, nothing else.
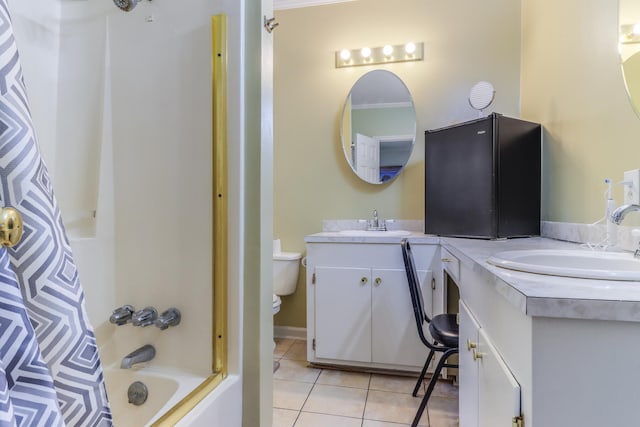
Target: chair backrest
(414, 288)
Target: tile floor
(312, 397)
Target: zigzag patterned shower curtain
(50, 372)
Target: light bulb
(387, 50)
(410, 48)
(365, 52)
(345, 54)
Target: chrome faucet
(122, 315)
(141, 355)
(145, 317)
(618, 215)
(374, 224)
(171, 317)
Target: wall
(465, 42)
(572, 84)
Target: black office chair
(443, 329)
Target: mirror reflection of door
(629, 32)
(367, 158)
(378, 126)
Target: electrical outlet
(632, 187)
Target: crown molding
(294, 4)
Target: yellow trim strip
(189, 402)
(220, 199)
(220, 224)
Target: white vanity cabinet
(359, 310)
(554, 360)
(489, 393)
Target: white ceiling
(293, 4)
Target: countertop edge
(539, 295)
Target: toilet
(286, 266)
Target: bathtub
(165, 389)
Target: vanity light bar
(380, 55)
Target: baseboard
(290, 332)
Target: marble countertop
(534, 294)
(415, 237)
(544, 295)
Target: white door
(498, 390)
(343, 313)
(368, 158)
(468, 368)
(395, 335)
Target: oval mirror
(629, 33)
(378, 126)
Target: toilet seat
(276, 303)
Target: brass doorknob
(10, 227)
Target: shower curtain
(50, 372)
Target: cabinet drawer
(450, 264)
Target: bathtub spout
(141, 355)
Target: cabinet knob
(364, 280)
(471, 345)
(445, 260)
(477, 355)
(378, 281)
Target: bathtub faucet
(122, 315)
(171, 317)
(141, 355)
(144, 317)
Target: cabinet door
(498, 390)
(343, 313)
(468, 368)
(395, 336)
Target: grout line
(366, 400)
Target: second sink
(571, 263)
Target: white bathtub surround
(166, 388)
(361, 224)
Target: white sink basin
(360, 233)
(571, 263)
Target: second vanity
(535, 350)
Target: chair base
(432, 383)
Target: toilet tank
(286, 266)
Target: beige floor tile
(309, 419)
(344, 378)
(296, 370)
(371, 423)
(284, 417)
(393, 407)
(344, 401)
(443, 412)
(393, 383)
(445, 389)
(297, 351)
(282, 346)
(290, 394)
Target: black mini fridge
(482, 179)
